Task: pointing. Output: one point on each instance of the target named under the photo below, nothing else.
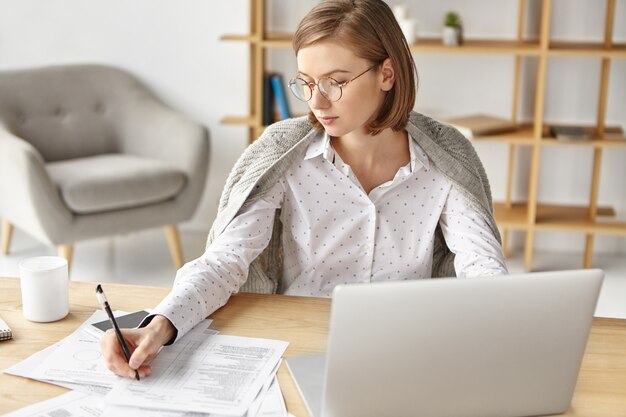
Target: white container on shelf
(451, 36)
(409, 29)
(400, 11)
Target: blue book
(281, 98)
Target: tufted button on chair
(88, 151)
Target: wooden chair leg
(173, 241)
(588, 257)
(66, 251)
(7, 234)
(505, 243)
(528, 250)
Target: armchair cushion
(114, 181)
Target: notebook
(505, 346)
(5, 331)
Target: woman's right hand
(144, 344)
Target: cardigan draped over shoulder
(281, 144)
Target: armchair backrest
(68, 111)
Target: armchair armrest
(151, 129)
(28, 198)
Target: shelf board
(278, 40)
(283, 40)
(613, 137)
(586, 49)
(469, 46)
(272, 39)
(558, 217)
(230, 37)
(478, 46)
(521, 136)
(595, 143)
(585, 226)
(240, 120)
(515, 217)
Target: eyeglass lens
(328, 87)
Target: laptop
(506, 346)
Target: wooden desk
(601, 389)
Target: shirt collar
(320, 145)
(418, 156)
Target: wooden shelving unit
(529, 216)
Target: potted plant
(452, 29)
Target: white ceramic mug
(44, 284)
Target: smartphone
(127, 321)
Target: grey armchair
(88, 151)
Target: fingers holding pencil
(128, 353)
(143, 343)
(141, 353)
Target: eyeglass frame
(316, 84)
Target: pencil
(102, 299)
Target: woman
(361, 190)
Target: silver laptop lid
(501, 346)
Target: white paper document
(77, 359)
(27, 366)
(269, 403)
(35, 365)
(72, 404)
(203, 373)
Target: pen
(105, 305)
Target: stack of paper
(203, 372)
(214, 374)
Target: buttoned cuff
(149, 318)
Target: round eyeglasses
(330, 88)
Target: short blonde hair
(369, 28)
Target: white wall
(174, 47)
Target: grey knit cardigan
(282, 143)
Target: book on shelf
(570, 133)
(278, 86)
(481, 124)
(268, 99)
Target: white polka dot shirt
(334, 233)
